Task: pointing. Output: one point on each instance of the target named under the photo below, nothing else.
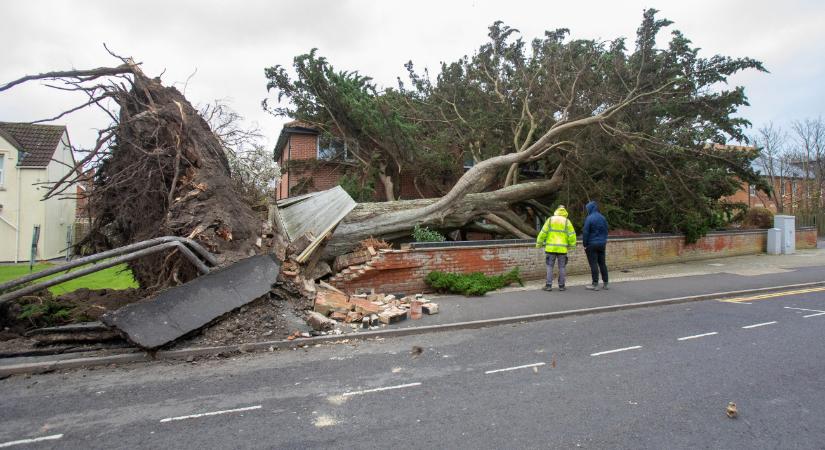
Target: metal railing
(812, 220)
(187, 247)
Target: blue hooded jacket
(595, 226)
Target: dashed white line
(696, 336)
(818, 312)
(53, 437)
(212, 413)
(616, 350)
(759, 325)
(513, 368)
(366, 391)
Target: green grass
(117, 277)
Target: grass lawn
(117, 277)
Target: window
(331, 148)
(2, 170)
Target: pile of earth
(265, 319)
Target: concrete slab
(181, 310)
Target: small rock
(190, 358)
(245, 348)
(319, 322)
(430, 308)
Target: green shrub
(44, 312)
(424, 234)
(758, 218)
(471, 283)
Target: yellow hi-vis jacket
(557, 235)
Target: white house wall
(23, 208)
(59, 213)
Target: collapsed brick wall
(404, 271)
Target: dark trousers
(595, 256)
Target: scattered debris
(319, 322)
(369, 307)
(731, 410)
(416, 351)
(392, 315)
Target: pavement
(642, 378)
(694, 280)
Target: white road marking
(213, 413)
(759, 325)
(617, 350)
(513, 368)
(53, 437)
(696, 336)
(818, 312)
(366, 391)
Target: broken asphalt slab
(181, 310)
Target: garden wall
(391, 271)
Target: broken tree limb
(506, 226)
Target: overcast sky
(227, 45)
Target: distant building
(788, 182)
(29, 156)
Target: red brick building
(312, 162)
(793, 189)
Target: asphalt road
(647, 378)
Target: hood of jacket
(560, 211)
(591, 207)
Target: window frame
(2, 169)
(337, 157)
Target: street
(656, 377)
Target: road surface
(647, 378)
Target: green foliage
(424, 234)
(473, 283)
(44, 312)
(360, 191)
(758, 218)
(653, 158)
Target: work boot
(592, 287)
(548, 288)
(604, 286)
(562, 288)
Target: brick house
(789, 186)
(311, 162)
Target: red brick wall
(404, 270)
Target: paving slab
(178, 311)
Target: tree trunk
(396, 219)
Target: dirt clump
(266, 319)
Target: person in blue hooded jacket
(594, 240)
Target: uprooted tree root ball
(158, 170)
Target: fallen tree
(158, 170)
(628, 127)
